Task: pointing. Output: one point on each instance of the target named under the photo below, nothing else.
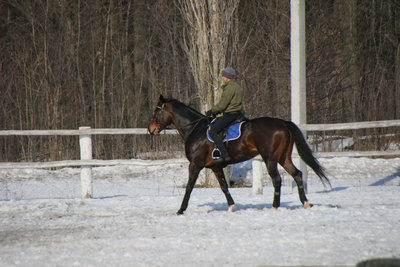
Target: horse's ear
(162, 100)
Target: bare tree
(103, 63)
(209, 25)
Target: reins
(184, 127)
(196, 122)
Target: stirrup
(217, 157)
(216, 154)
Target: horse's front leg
(224, 187)
(193, 175)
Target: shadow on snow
(387, 179)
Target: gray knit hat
(228, 73)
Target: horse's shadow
(334, 189)
(108, 197)
(387, 178)
(241, 207)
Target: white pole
(257, 177)
(298, 74)
(85, 142)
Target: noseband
(159, 116)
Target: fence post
(85, 143)
(298, 75)
(257, 177)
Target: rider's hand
(209, 113)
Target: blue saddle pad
(234, 132)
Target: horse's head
(162, 117)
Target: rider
(230, 105)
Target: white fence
(86, 161)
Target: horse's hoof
(307, 205)
(274, 208)
(231, 208)
(179, 212)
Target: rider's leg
(221, 147)
(216, 130)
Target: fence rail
(86, 161)
(106, 131)
(80, 163)
(350, 125)
(99, 131)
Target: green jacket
(231, 99)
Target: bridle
(160, 116)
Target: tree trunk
(139, 29)
(347, 59)
(206, 45)
(397, 84)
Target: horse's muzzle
(154, 128)
(152, 132)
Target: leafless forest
(103, 64)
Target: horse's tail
(306, 153)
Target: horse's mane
(181, 105)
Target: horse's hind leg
(219, 173)
(276, 180)
(298, 178)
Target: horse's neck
(185, 122)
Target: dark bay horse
(272, 138)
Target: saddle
(232, 132)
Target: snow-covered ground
(131, 220)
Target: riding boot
(221, 147)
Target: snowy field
(131, 220)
